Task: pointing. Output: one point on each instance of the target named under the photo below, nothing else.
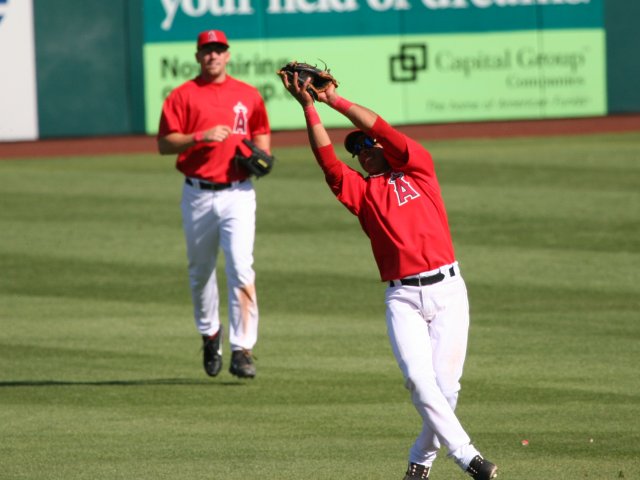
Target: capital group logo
(3, 9)
(404, 66)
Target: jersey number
(404, 190)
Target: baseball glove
(320, 79)
(258, 162)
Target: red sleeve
(330, 165)
(346, 183)
(401, 152)
(394, 142)
(172, 119)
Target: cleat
(212, 353)
(481, 469)
(242, 365)
(415, 471)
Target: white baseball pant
(428, 329)
(222, 219)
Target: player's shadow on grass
(121, 383)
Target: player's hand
(328, 94)
(297, 91)
(217, 133)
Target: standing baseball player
(401, 210)
(204, 122)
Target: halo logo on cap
(211, 36)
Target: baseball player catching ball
(401, 210)
(204, 122)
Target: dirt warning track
(146, 144)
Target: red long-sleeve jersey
(402, 211)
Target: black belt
(203, 185)
(423, 281)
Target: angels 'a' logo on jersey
(240, 122)
(404, 190)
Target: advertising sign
(18, 105)
(414, 61)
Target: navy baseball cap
(357, 139)
(212, 36)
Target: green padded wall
(623, 57)
(83, 63)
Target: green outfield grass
(101, 372)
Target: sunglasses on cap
(366, 142)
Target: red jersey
(401, 211)
(197, 105)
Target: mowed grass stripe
(102, 373)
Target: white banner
(18, 92)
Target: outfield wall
(18, 98)
(104, 67)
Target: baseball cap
(355, 140)
(212, 36)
